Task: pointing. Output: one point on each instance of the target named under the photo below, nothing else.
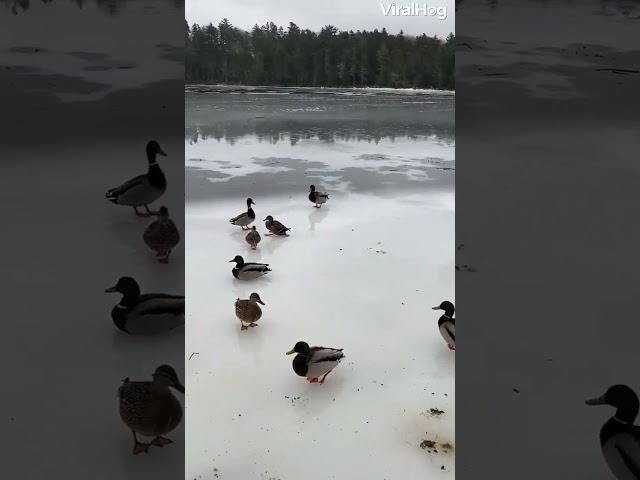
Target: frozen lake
(360, 274)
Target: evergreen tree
(272, 55)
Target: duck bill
(436, 308)
(179, 387)
(161, 152)
(291, 352)
(230, 261)
(260, 302)
(596, 401)
(111, 290)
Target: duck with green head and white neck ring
(248, 270)
(317, 197)
(144, 189)
(245, 218)
(145, 314)
(619, 437)
(150, 409)
(315, 363)
(447, 323)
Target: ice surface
(361, 273)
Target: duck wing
(161, 233)
(629, 456)
(255, 267)
(247, 312)
(622, 451)
(242, 215)
(129, 184)
(136, 192)
(322, 360)
(324, 354)
(279, 227)
(451, 328)
(159, 303)
(134, 392)
(242, 304)
(154, 314)
(447, 328)
(253, 236)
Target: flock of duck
(149, 408)
(314, 363)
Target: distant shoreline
(268, 89)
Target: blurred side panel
(546, 207)
(84, 85)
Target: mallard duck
(315, 362)
(317, 197)
(150, 409)
(447, 324)
(253, 238)
(145, 314)
(248, 311)
(248, 271)
(144, 189)
(245, 218)
(619, 437)
(162, 235)
(275, 227)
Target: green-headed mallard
(447, 323)
(275, 227)
(317, 197)
(248, 271)
(144, 189)
(150, 409)
(146, 314)
(253, 238)
(619, 437)
(162, 235)
(315, 362)
(245, 218)
(248, 311)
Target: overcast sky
(314, 14)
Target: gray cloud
(351, 15)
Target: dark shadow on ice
(378, 179)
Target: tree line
(271, 55)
